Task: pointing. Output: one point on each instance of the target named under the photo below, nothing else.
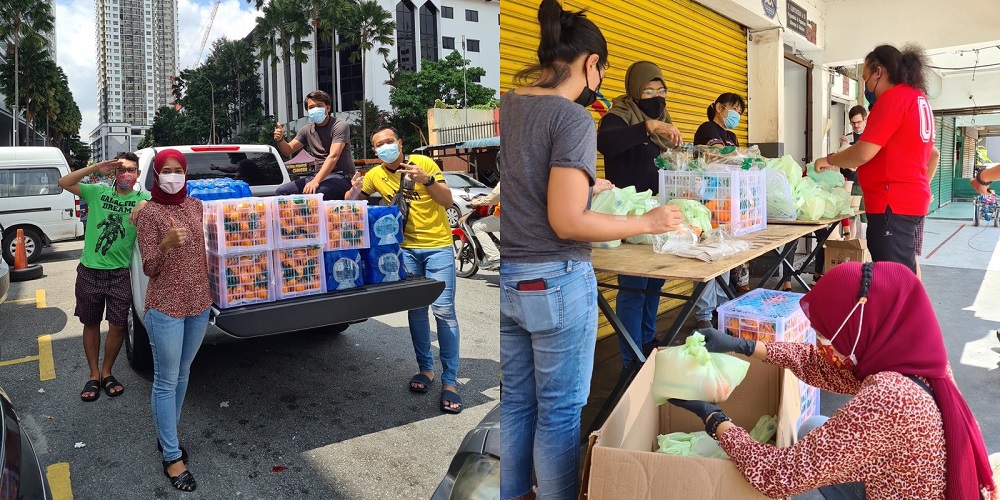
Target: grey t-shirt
(317, 141)
(538, 132)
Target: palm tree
(22, 18)
(282, 33)
(365, 24)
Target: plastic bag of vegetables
(780, 203)
(612, 202)
(827, 178)
(695, 214)
(691, 372)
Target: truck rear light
(202, 149)
(76, 206)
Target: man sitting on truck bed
(103, 280)
(328, 139)
(427, 251)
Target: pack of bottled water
(222, 188)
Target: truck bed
(348, 306)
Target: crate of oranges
(736, 198)
(299, 271)
(297, 220)
(241, 279)
(237, 226)
(346, 225)
(765, 314)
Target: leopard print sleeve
(806, 363)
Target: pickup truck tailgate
(315, 311)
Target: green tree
(78, 152)
(282, 33)
(364, 24)
(443, 80)
(233, 71)
(23, 19)
(376, 118)
(38, 69)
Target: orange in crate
(240, 279)
(346, 225)
(298, 220)
(240, 225)
(767, 315)
(300, 271)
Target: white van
(31, 199)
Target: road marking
(40, 299)
(46, 364)
(23, 301)
(945, 241)
(58, 475)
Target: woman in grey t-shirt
(548, 292)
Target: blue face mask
(870, 94)
(388, 152)
(732, 119)
(317, 115)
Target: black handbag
(399, 200)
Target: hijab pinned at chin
(158, 194)
(633, 109)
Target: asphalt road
(292, 416)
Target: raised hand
(279, 132)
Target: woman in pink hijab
(907, 433)
(177, 300)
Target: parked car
(330, 312)
(4, 280)
(21, 476)
(463, 188)
(474, 473)
(33, 201)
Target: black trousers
(892, 238)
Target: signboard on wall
(797, 18)
(770, 8)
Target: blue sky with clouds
(76, 44)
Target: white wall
(795, 111)
(750, 13)
(957, 88)
(857, 26)
(992, 147)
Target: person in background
(427, 251)
(328, 139)
(723, 116)
(103, 280)
(178, 299)
(894, 152)
(548, 291)
(486, 225)
(906, 433)
(632, 135)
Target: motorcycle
(468, 250)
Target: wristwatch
(430, 181)
(979, 178)
(714, 421)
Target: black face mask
(588, 96)
(652, 107)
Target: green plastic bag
(691, 372)
(699, 444)
(787, 165)
(611, 202)
(827, 178)
(695, 213)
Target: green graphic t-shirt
(110, 236)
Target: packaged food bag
(382, 264)
(691, 372)
(385, 225)
(696, 214)
(828, 178)
(613, 202)
(343, 270)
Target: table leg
(624, 380)
(728, 290)
(820, 241)
(619, 328)
(777, 264)
(686, 311)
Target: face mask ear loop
(861, 323)
(848, 318)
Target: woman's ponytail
(711, 112)
(912, 62)
(565, 36)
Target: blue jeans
(845, 491)
(438, 264)
(175, 342)
(637, 312)
(712, 297)
(547, 340)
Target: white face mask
(171, 183)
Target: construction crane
(208, 29)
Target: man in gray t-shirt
(328, 139)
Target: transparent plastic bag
(649, 203)
(780, 202)
(691, 372)
(696, 214)
(681, 239)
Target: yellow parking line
(58, 475)
(19, 360)
(23, 301)
(46, 365)
(40, 299)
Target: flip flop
(422, 379)
(110, 382)
(448, 397)
(91, 386)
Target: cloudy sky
(75, 43)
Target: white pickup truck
(333, 312)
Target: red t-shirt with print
(902, 123)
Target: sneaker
(704, 324)
(490, 265)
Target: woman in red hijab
(177, 300)
(907, 433)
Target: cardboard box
(622, 462)
(838, 252)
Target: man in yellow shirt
(427, 250)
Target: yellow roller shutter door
(701, 53)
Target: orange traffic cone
(20, 255)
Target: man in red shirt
(894, 153)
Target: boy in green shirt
(103, 281)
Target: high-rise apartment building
(136, 45)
